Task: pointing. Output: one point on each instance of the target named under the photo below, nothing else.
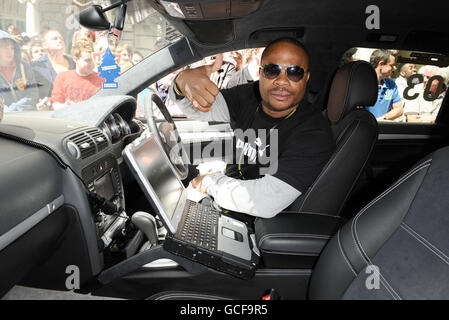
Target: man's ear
(308, 76)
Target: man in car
(389, 104)
(54, 62)
(275, 104)
(80, 84)
(18, 88)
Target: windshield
(49, 62)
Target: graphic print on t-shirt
(252, 150)
(304, 140)
(256, 149)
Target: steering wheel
(166, 134)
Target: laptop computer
(196, 231)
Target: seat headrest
(355, 84)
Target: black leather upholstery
(354, 85)
(294, 240)
(355, 133)
(403, 232)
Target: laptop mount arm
(135, 262)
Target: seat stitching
(316, 213)
(192, 295)
(345, 101)
(359, 173)
(292, 253)
(328, 165)
(365, 257)
(394, 186)
(381, 278)
(299, 235)
(363, 254)
(425, 243)
(344, 255)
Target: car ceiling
(333, 22)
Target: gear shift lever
(147, 224)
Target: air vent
(99, 137)
(81, 146)
(85, 144)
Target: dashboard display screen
(104, 187)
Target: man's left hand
(197, 183)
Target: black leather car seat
(404, 233)
(355, 132)
(401, 238)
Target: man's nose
(282, 78)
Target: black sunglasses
(272, 71)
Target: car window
(56, 63)
(239, 67)
(412, 84)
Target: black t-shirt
(304, 139)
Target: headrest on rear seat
(355, 84)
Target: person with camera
(18, 87)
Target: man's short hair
(430, 68)
(290, 40)
(348, 56)
(81, 46)
(378, 56)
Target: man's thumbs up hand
(211, 68)
(196, 85)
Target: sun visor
(212, 32)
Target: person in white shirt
(422, 108)
(406, 70)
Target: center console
(103, 179)
(294, 240)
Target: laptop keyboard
(200, 225)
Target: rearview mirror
(93, 18)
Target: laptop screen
(158, 174)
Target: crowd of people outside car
(239, 67)
(40, 73)
(408, 97)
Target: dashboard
(51, 164)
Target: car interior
(78, 222)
